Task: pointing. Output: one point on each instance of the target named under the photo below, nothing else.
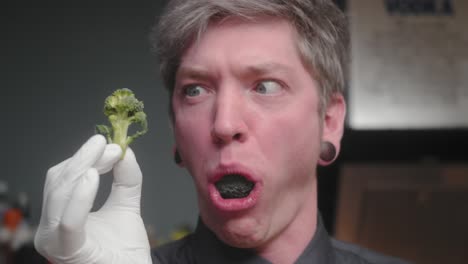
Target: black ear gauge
(327, 151)
(177, 158)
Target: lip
(235, 204)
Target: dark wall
(58, 63)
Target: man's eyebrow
(260, 69)
(193, 72)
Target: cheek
(190, 142)
(191, 123)
(192, 136)
(294, 142)
(297, 132)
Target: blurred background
(400, 187)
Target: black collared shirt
(203, 247)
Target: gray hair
(321, 29)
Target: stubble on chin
(241, 233)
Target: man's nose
(229, 120)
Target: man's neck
(289, 245)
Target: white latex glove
(69, 233)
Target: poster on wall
(409, 64)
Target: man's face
(247, 118)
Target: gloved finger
(111, 155)
(55, 202)
(51, 181)
(61, 179)
(126, 187)
(56, 170)
(83, 159)
(127, 171)
(71, 228)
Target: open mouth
(234, 186)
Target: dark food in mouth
(234, 186)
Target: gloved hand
(69, 233)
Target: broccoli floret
(122, 109)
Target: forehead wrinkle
(267, 68)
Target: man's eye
(268, 87)
(194, 90)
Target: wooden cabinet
(418, 212)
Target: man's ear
(333, 124)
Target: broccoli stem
(120, 128)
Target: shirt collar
(209, 249)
